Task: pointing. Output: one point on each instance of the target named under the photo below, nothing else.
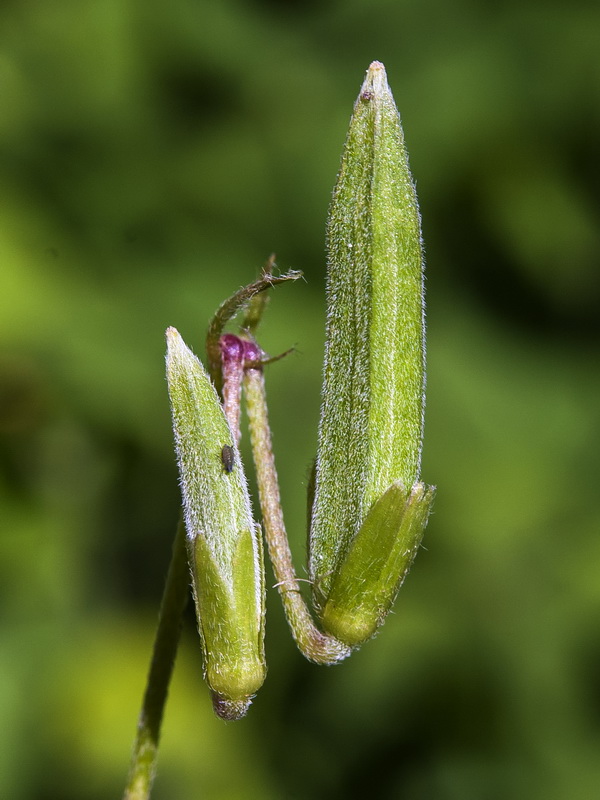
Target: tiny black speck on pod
(228, 457)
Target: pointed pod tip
(375, 83)
(175, 344)
(178, 353)
(172, 335)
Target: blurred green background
(152, 155)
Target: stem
(230, 308)
(232, 371)
(313, 644)
(145, 750)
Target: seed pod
(371, 424)
(224, 544)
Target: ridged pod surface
(223, 542)
(371, 427)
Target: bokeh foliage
(151, 157)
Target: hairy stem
(314, 644)
(228, 309)
(145, 749)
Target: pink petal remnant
(232, 368)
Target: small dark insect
(367, 95)
(227, 457)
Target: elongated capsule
(223, 542)
(371, 423)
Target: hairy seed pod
(371, 424)
(224, 544)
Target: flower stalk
(175, 598)
(312, 642)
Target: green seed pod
(370, 433)
(224, 544)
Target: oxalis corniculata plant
(368, 508)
